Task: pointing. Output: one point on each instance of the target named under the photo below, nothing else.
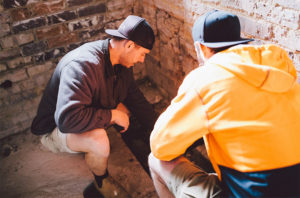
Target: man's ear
(197, 47)
(198, 51)
(129, 44)
(207, 52)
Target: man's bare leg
(95, 145)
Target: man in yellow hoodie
(245, 103)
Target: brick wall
(34, 35)
(267, 21)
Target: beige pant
(56, 141)
(182, 179)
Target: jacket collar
(109, 70)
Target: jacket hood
(267, 67)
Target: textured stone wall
(34, 35)
(267, 21)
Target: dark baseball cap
(137, 29)
(217, 29)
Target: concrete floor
(29, 171)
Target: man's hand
(123, 108)
(120, 118)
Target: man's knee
(99, 142)
(164, 167)
(152, 161)
(94, 141)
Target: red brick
(62, 16)
(62, 40)
(13, 3)
(93, 9)
(14, 76)
(4, 29)
(24, 38)
(8, 54)
(51, 31)
(2, 67)
(28, 24)
(7, 42)
(43, 8)
(77, 2)
(34, 48)
(20, 14)
(4, 17)
(38, 69)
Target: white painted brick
(296, 61)
(212, 1)
(291, 18)
(260, 29)
(247, 6)
(231, 3)
(289, 39)
(196, 8)
(293, 4)
(261, 9)
(285, 17)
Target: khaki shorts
(183, 179)
(56, 142)
(188, 180)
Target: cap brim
(225, 44)
(115, 33)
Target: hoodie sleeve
(183, 122)
(74, 113)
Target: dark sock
(99, 179)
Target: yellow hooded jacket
(245, 102)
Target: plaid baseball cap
(217, 29)
(137, 29)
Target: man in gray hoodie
(91, 89)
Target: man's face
(133, 54)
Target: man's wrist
(113, 116)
